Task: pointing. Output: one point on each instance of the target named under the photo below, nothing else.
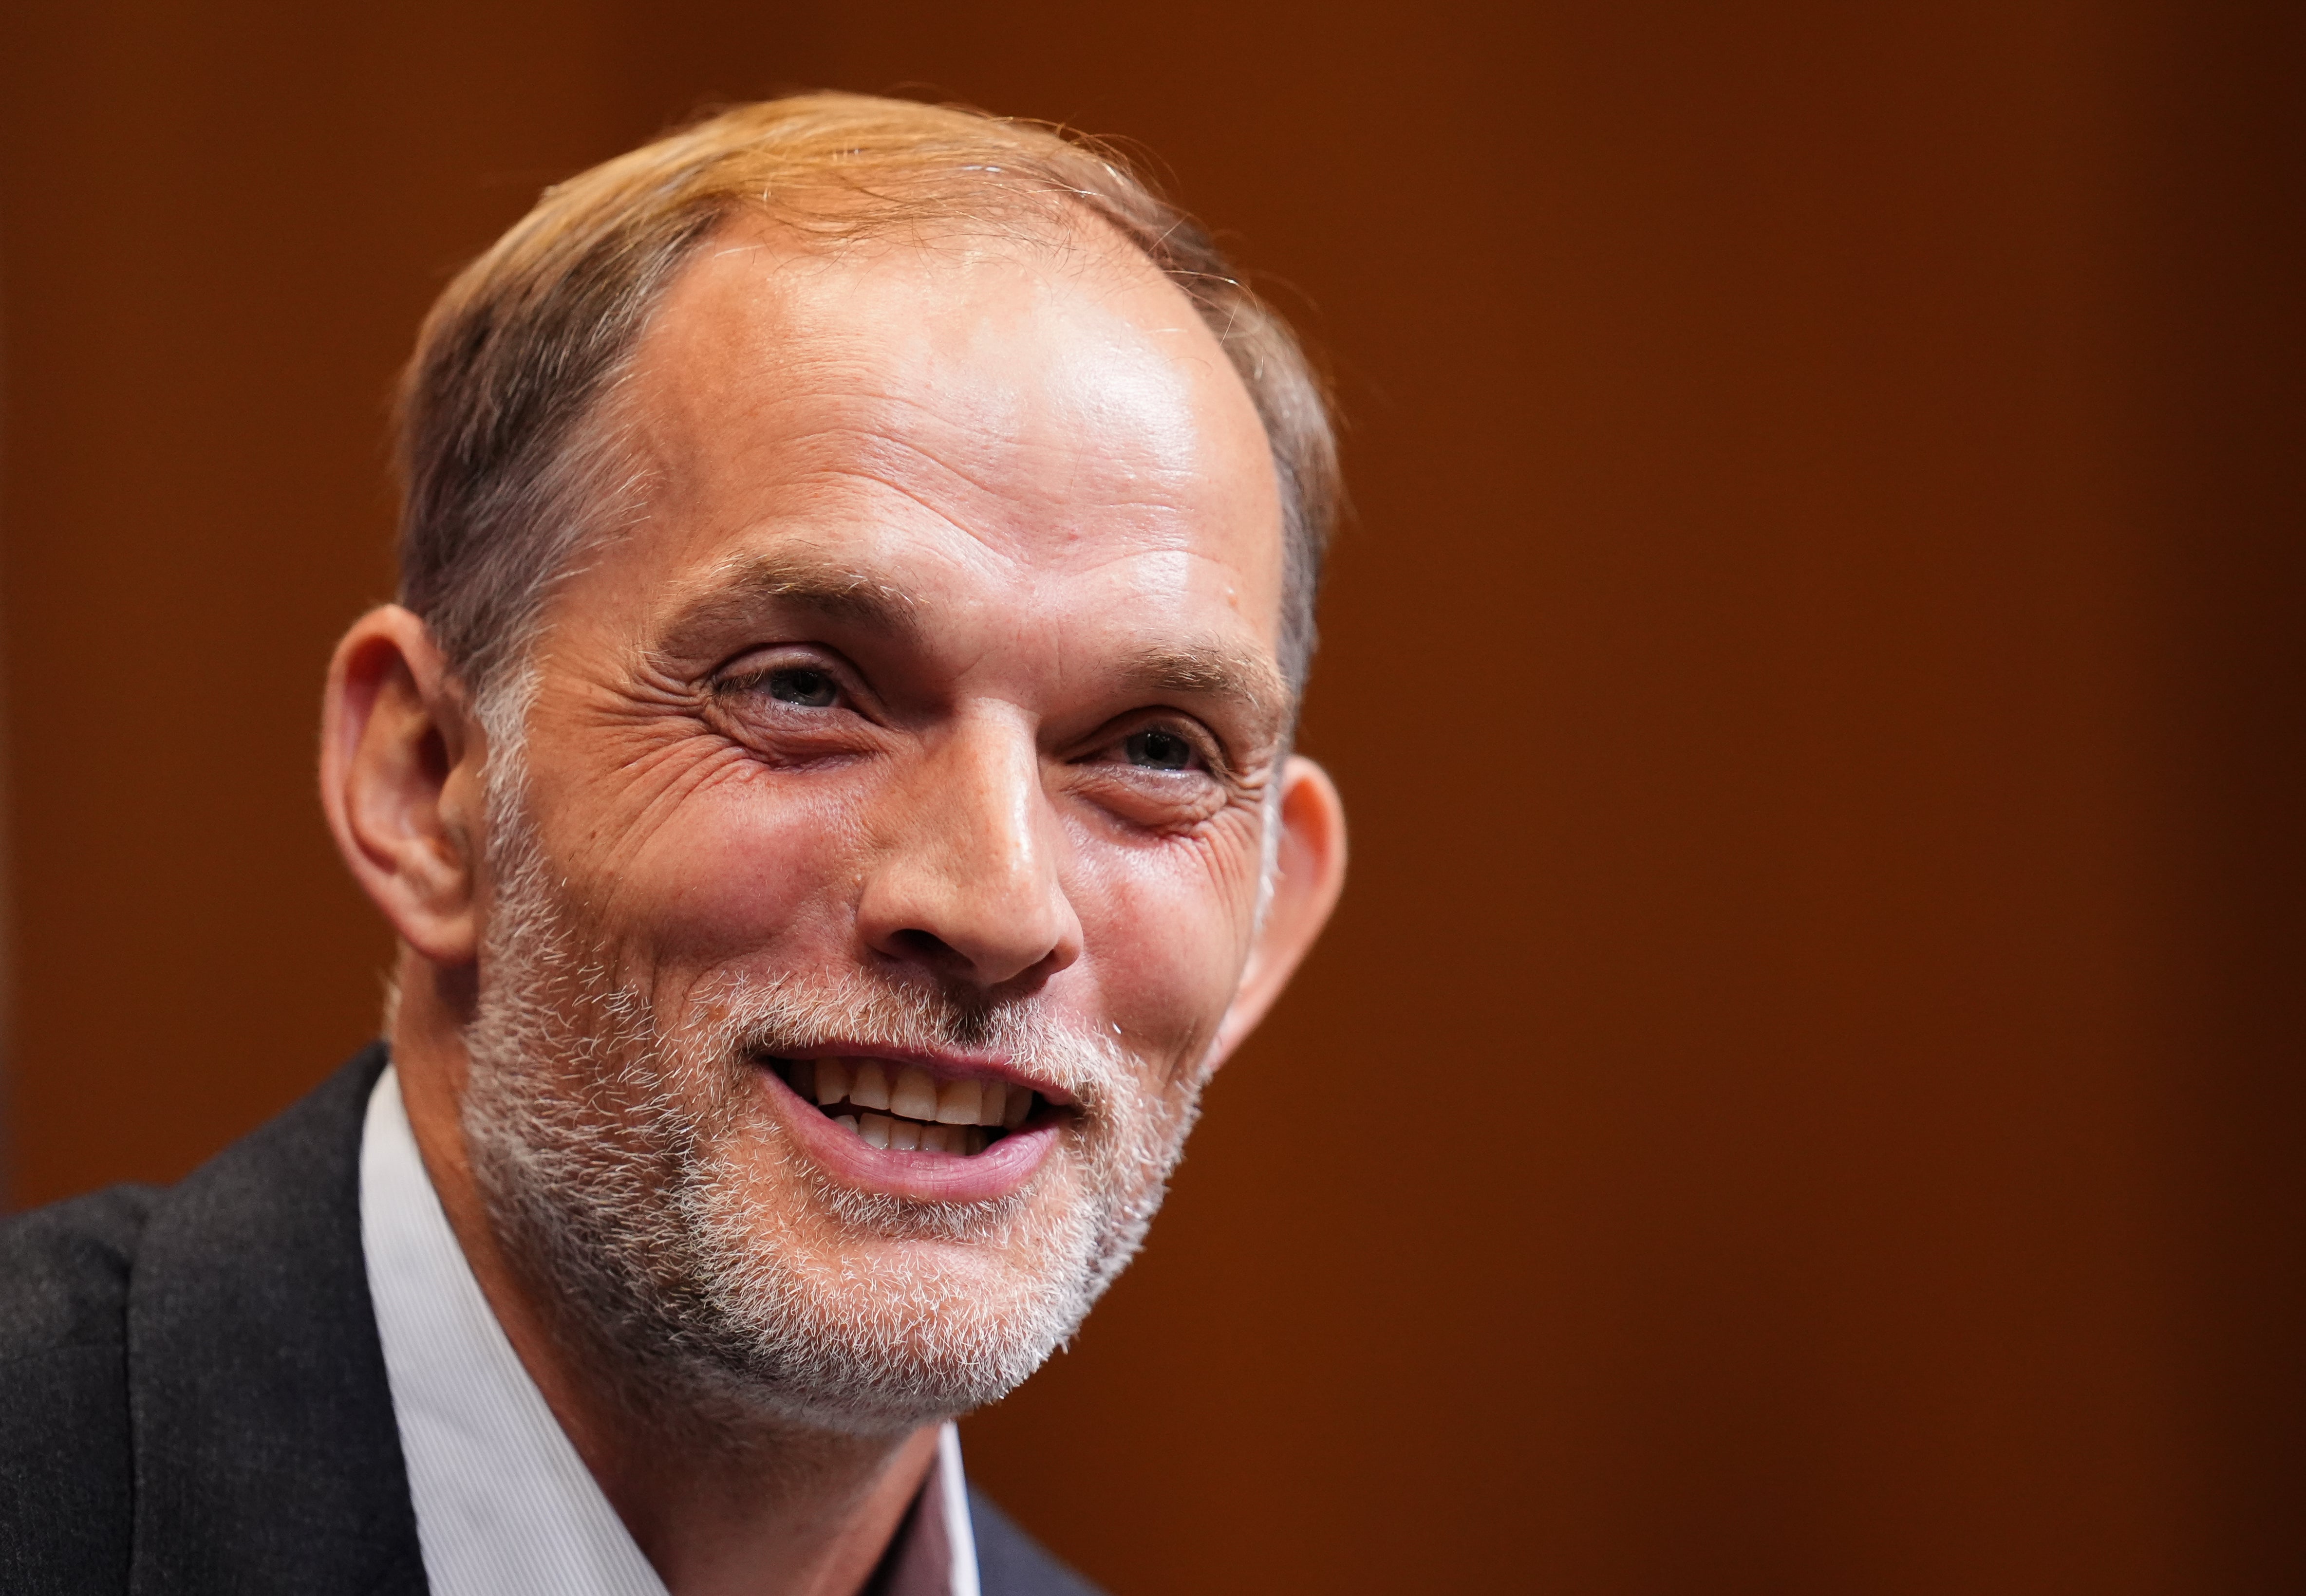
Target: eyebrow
(738, 589)
(1247, 681)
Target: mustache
(776, 1016)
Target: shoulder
(192, 1377)
(64, 1455)
(63, 1271)
(1011, 1563)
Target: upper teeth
(915, 1094)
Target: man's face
(917, 739)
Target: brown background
(1803, 1093)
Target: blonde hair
(501, 482)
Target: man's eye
(806, 686)
(1158, 750)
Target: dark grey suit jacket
(192, 1397)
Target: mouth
(891, 1106)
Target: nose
(965, 883)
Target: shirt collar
(505, 1506)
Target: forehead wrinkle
(1006, 528)
(943, 453)
(1000, 524)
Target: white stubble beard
(610, 1152)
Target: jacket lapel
(267, 1456)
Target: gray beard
(608, 1150)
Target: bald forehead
(1026, 389)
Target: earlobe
(1309, 873)
(400, 756)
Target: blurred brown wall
(1803, 1093)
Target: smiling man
(829, 773)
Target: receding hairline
(1081, 243)
(518, 356)
(1028, 228)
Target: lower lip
(1002, 1168)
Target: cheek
(1167, 931)
(736, 872)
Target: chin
(853, 1312)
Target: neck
(764, 1509)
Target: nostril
(925, 945)
(993, 951)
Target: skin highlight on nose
(967, 879)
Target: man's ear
(400, 778)
(1308, 872)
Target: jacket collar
(267, 1455)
